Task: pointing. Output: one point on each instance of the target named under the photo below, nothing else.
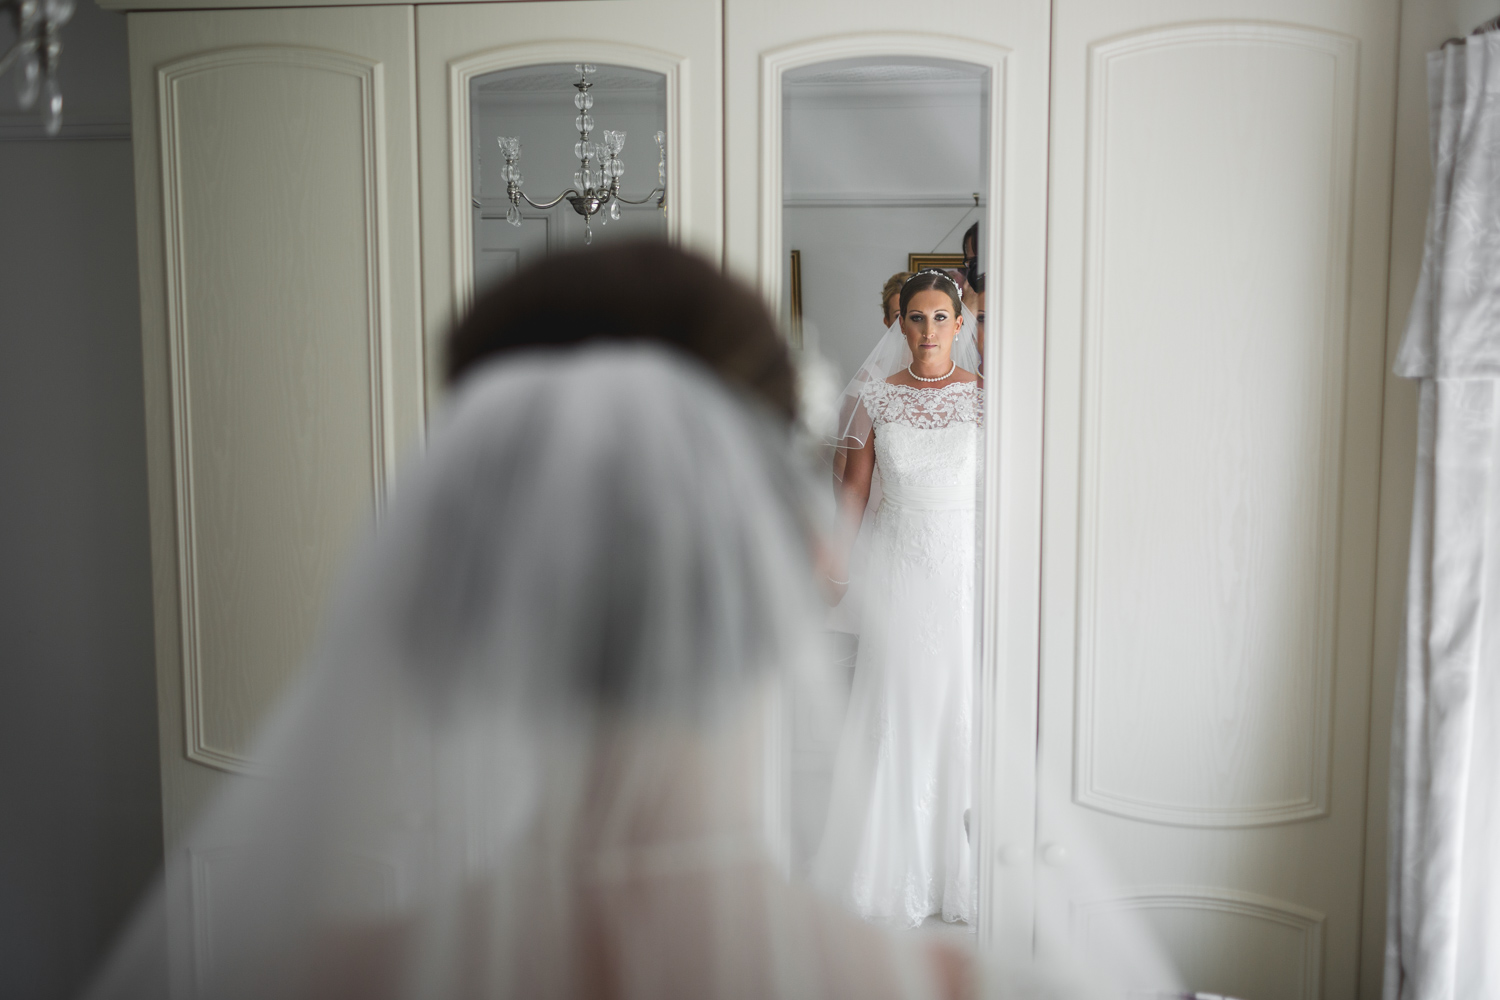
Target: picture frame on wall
(942, 261)
(795, 286)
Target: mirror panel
(884, 167)
(535, 104)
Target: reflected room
(884, 162)
(540, 129)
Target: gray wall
(80, 809)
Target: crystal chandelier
(596, 182)
(36, 51)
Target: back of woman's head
(605, 526)
(642, 291)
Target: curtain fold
(1443, 929)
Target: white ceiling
(560, 77)
(881, 71)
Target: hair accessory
(931, 270)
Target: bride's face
(929, 325)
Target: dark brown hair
(632, 291)
(924, 281)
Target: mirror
(538, 106)
(884, 163)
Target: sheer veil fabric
(891, 355)
(534, 754)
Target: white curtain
(1443, 933)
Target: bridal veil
(536, 751)
(890, 355)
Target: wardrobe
(1204, 217)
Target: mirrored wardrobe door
(862, 143)
(1212, 467)
(641, 79)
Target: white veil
(891, 354)
(534, 754)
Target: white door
(460, 46)
(765, 40)
(277, 215)
(1215, 349)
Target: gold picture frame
(942, 261)
(796, 289)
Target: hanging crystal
(52, 106)
(588, 234)
(514, 215)
(29, 80)
(614, 210)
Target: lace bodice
(926, 437)
(903, 776)
(924, 409)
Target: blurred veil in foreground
(539, 750)
(534, 754)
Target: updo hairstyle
(892, 286)
(924, 281)
(646, 290)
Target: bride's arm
(853, 495)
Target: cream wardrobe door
(277, 215)
(1215, 348)
(765, 40)
(677, 40)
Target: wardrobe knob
(1055, 855)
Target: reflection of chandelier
(596, 182)
(38, 47)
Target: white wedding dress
(895, 848)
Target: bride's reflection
(896, 846)
(883, 810)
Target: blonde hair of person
(891, 287)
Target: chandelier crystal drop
(37, 26)
(596, 182)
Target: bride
(895, 846)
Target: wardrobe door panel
(277, 221)
(1218, 234)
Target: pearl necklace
(940, 378)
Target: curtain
(1443, 929)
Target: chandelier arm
(569, 193)
(656, 193)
